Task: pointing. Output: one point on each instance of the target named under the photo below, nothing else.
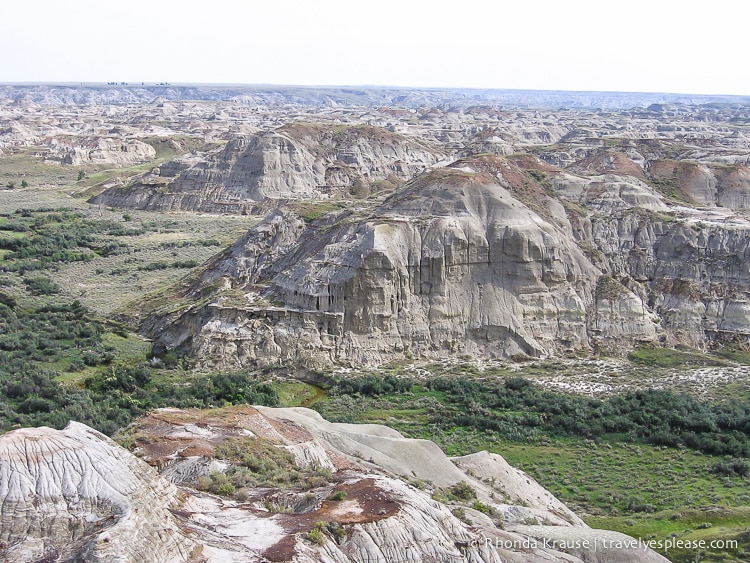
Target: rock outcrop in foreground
(491, 257)
(75, 495)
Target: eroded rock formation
(298, 161)
(112, 151)
(74, 495)
(491, 257)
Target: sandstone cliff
(74, 495)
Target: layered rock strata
(74, 495)
(296, 161)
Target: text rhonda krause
(607, 543)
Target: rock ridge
(74, 495)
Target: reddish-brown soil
(610, 162)
(365, 502)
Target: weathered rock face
(293, 162)
(489, 257)
(69, 483)
(609, 162)
(704, 184)
(454, 263)
(105, 150)
(74, 495)
(693, 274)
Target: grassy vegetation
(127, 347)
(310, 211)
(614, 480)
(297, 393)
(646, 492)
(104, 258)
(657, 356)
(609, 288)
(59, 361)
(515, 409)
(61, 235)
(110, 393)
(256, 462)
(95, 182)
(168, 147)
(671, 189)
(92, 180)
(613, 142)
(106, 383)
(27, 163)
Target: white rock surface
(75, 495)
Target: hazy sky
(630, 45)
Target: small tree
(10, 185)
(81, 175)
(24, 184)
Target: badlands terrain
(167, 248)
(74, 495)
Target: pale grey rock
(74, 495)
(105, 150)
(188, 470)
(297, 161)
(454, 263)
(490, 257)
(734, 186)
(613, 193)
(694, 275)
(311, 453)
(421, 530)
(592, 546)
(411, 534)
(569, 186)
(518, 488)
(696, 181)
(621, 316)
(705, 184)
(78, 496)
(379, 445)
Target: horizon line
(148, 84)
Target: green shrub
(337, 531)
(41, 286)
(463, 491)
(257, 461)
(316, 535)
(337, 496)
(226, 489)
(483, 508)
(731, 467)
